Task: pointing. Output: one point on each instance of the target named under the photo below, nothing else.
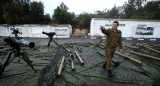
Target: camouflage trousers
(109, 52)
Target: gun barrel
(67, 49)
(79, 58)
(50, 33)
(61, 66)
(92, 43)
(152, 57)
(70, 45)
(148, 47)
(130, 46)
(132, 59)
(16, 43)
(72, 64)
(26, 43)
(97, 43)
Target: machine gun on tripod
(50, 35)
(16, 32)
(17, 52)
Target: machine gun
(50, 35)
(16, 32)
(17, 52)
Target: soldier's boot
(104, 66)
(1, 66)
(110, 75)
(116, 64)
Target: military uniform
(113, 39)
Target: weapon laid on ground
(158, 45)
(145, 55)
(92, 43)
(130, 46)
(70, 45)
(116, 63)
(50, 35)
(17, 52)
(61, 66)
(148, 47)
(67, 49)
(132, 59)
(71, 61)
(97, 43)
(79, 58)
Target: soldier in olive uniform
(113, 39)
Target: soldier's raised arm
(104, 31)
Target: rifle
(50, 35)
(17, 52)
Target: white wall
(4, 31)
(70, 30)
(62, 31)
(26, 31)
(37, 31)
(128, 27)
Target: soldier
(113, 38)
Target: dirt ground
(46, 62)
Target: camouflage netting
(92, 73)
(18, 73)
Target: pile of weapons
(16, 43)
(71, 59)
(149, 47)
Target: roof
(125, 19)
(64, 25)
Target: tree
(2, 3)
(26, 9)
(152, 10)
(13, 13)
(134, 9)
(139, 8)
(20, 12)
(129, 9)
(63, 6)
(84, 20)
(37, 12)
(47, 18)
(62, 16)
(2, 20)
(6, 1)
(114, 12)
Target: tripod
(17, 37)
(51, 40)
(16, 32)
(17, 53)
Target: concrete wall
(62, 31)
(4, 31)
(127, 26)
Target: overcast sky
(80, 6)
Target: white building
(129, 27)
(35, 30)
